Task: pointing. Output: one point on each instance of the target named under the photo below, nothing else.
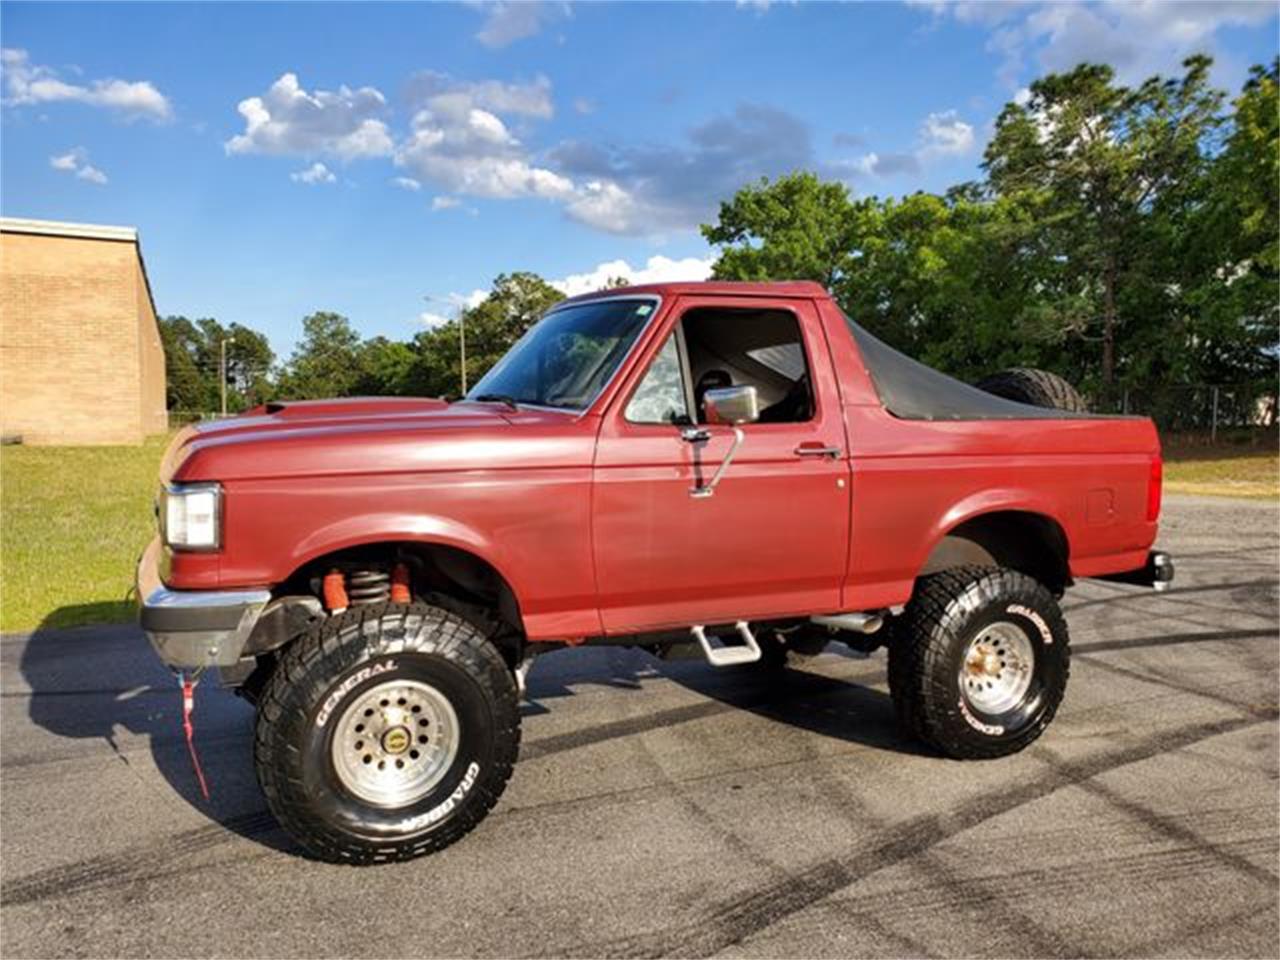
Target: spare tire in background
(1040, 388)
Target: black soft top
(911, 391)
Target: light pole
(222, 370)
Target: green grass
(73, 521)
(1219, 472)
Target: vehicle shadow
(800, 696)
(104, 683)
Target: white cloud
(315, 174)
(407, 183)
(444, 203)
(76, 162)
(458, 142)
(507, 21)
(1139, 38)
(289, 120)
(469, 300)
(941, 134)
(760, 7)
(584, 106)
(432, 320)
(441, 91)
(92, 174)
(27, 83)
(657, 269)
(887, 164)
(605, 206)
(946, 133)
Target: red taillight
(1154, 484)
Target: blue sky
(285, 158)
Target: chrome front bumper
(191, 629)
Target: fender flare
(993, 501)
(371, 528)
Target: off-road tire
(328, 668)
(927, 650)
(1040, 388)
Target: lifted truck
(737, 466)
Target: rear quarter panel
(913, 481)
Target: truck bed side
(916, 480)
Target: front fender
(370, 528)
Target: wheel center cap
(982, 662)
(396, 740)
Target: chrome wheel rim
(996, 671)
(395, 742)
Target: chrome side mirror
(732, 405)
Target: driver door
(772, 540)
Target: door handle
(818, 450)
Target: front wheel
(386, 732)
(978, 663)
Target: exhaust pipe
(853, 622)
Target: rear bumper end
(1156, 573)
(192, 629)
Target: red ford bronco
(739, 467)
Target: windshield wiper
(511, 402)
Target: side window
(660, 397)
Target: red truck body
(738, 466)
(587, 516)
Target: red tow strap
(188, 708)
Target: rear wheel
(978, 663)
(1040, 388)
(386, 732)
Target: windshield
(567, 357)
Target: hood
(356, 435)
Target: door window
(749, 347)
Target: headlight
(191, 516)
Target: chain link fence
(180, 418)
(1202, 408)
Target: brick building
(80, 355)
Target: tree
(193, 364)
(187, 387)
(325, 362)
(796, 227)
(1116, 239)
(493, 326)
(1094, 159)
(1233, 242)
(249, 360)
(384, 368)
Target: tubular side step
(728, 656)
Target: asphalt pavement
(667, 809)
